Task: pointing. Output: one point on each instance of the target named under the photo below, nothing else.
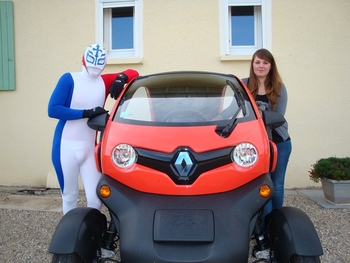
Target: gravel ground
(25, 235)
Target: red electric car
(185, 159)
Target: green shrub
(332, 168)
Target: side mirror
(273, 119)
(98, 123)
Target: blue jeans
(278, 176)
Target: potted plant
(334, 174)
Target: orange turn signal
(265, 191)
(105, 191)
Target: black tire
(302, 259)
(66, 258)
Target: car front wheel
(66, 258)
(303, 259)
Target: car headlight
(124, 155)
(245, 154)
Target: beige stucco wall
(310, 42)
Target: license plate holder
(178, 225)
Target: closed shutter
(7, 46)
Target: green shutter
(7, 47)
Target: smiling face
(261, 67)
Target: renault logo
(183, 164)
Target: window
(7, 50)
(120, 28)
(245, 26)
(242, 26)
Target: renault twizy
(185, 159)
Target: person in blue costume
(77, 97)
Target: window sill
(115, 61)
(235, 57)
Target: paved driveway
(29, 217)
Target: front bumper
(203, 228)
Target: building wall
(310, 42)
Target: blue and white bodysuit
(74, 142)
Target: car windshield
(184, 99)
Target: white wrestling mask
(94, 59)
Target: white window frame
(262, 23)
(133, 55)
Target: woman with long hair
(270, 93)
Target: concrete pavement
(37, 199)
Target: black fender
(291, 231)
(79, 231)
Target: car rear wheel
(66, 258)
(303, 259)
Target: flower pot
(336, 192)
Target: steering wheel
(184, 115)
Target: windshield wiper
(238, 96)
(241, 107)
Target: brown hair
(273, 81)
